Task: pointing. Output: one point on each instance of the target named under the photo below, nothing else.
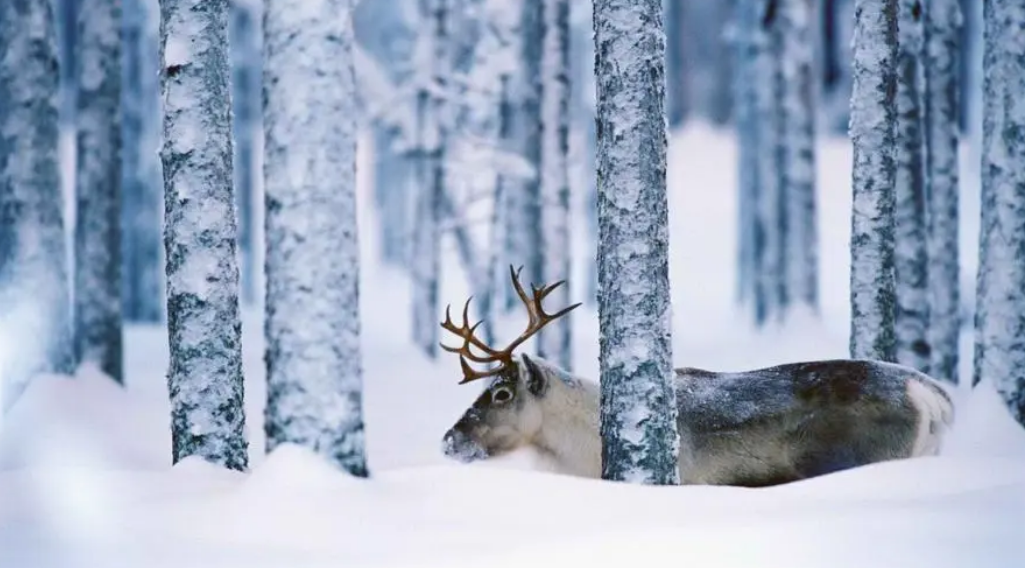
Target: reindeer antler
(538, 318)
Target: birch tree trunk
(770, 223)
(677, 84)
(720, 107)
(244, 37)
(942, 104)
(66, 24)
(640, 442)
(33, 271)
(872, 127)
(1000, 308)
(524, 233)
(314, 361)
(971, 77)
(746, 48)
(795, 83)
(431, 156)
(762, 221)
(555, 341)
(142, 270)
(837, 115)
(97, 298)
(200, 235)
(910, 260)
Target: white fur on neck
(569, 438)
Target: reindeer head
(507, 415)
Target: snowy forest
(737, 282)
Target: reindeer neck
(569, 428)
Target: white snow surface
(85, 475)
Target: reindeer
(755, 428)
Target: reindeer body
(801, 420)
(753, 428)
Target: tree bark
(910, 261)
(1000, 308)
(942, 107)
(245, 46)
(142, 184)
(872, 127)
(312, 327)
(200, 236)
(795, 83)
(34, 299)
(746, 47)
(640, 442)
(431, 150)
(555, 341)
(770, 222)
(677, 84)
(524, 235)
(97, 307)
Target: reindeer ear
(537, 379)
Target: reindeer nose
(453, 439)
(458, 445)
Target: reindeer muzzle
(458, 445)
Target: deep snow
(85, 476)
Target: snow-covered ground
(85, 476)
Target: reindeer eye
(502, 395)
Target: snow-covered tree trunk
(770, 222)
(971, 77)
(640, 442)
(832, 48)
(762, 220)
(97, 297)
(431, 140)
(1000, 308)
(872, 131)
(677, 89)
(141, 211)
(942, 53)
(793, 37)
(200, 235)
(525, 234)
(66, 23)
(555, 341)
(911, 319)
(746, 49)
(837, 102)
(720, 92)
(33, 271)
(314, 362)
(244, 39)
